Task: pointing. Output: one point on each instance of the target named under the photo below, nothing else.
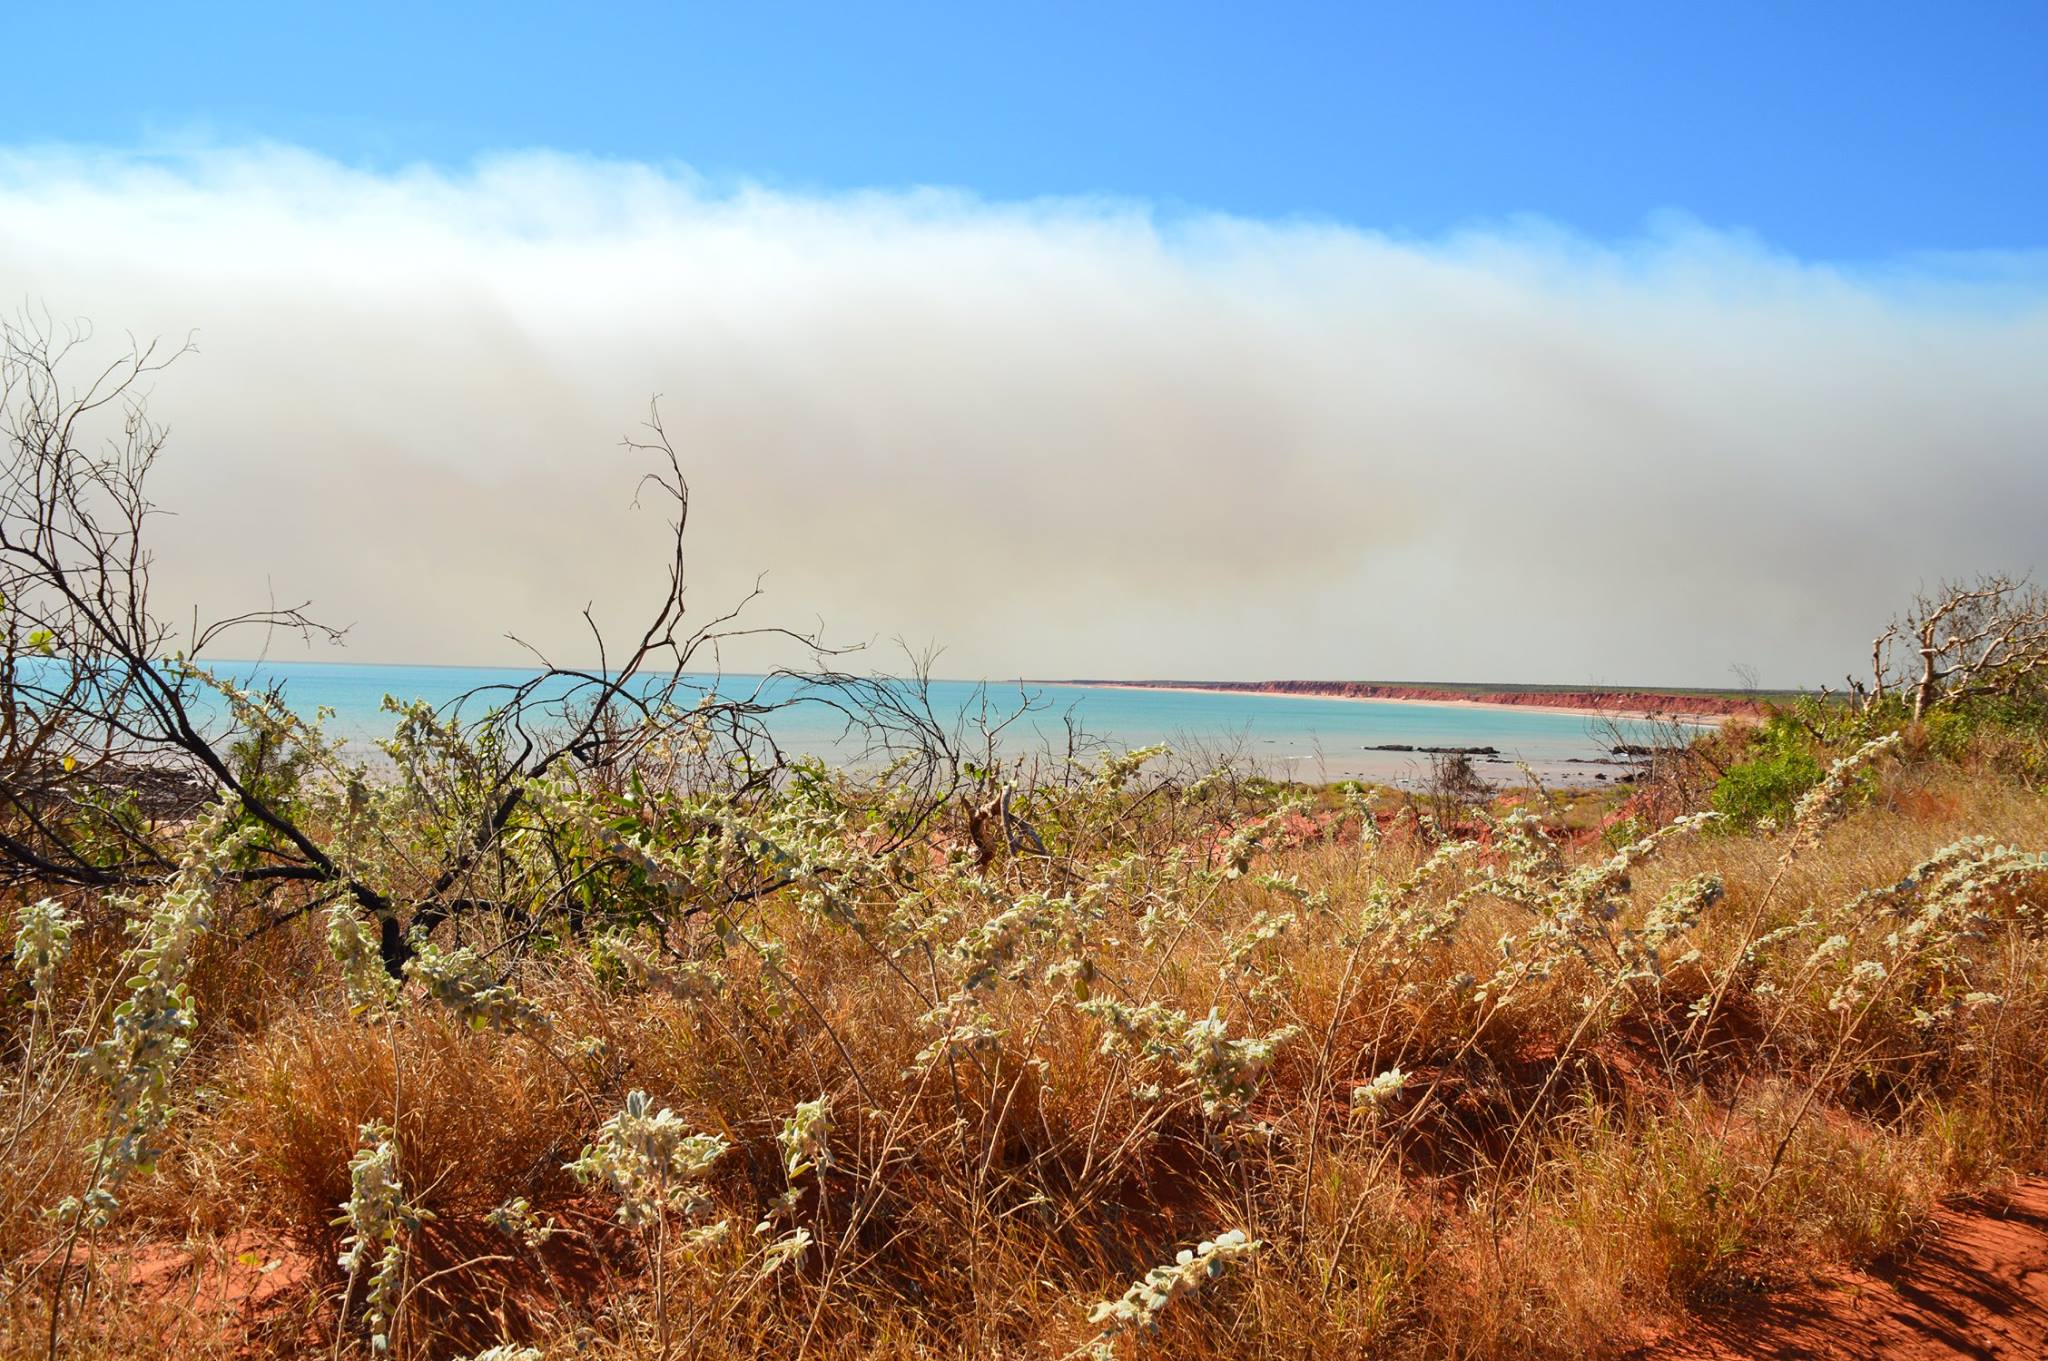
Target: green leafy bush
(1769, 784)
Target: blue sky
(1342, 342)
(1833, 131)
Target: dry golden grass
(482, 1117)
(1555, 1180)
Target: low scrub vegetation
(599, 1028)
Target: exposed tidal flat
(1302, 737)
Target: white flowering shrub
(805, 1141)
(1916, 940)
(655, 1164)
(1246, 840)
(137, 1060)
(651, 1161)
(376, 1216)
(1578, 914)
(622, 962)
(1115, 770)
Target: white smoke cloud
(1058, 438)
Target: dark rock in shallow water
(1437, 751)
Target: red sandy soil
(1976, 1287)
(242, 1287)
(263, 1289)
(1619, 701)
(245, 1272)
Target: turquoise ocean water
(1303, 738)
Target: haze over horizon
(1148, 417)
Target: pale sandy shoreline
(1447, 702)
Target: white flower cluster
(462, 981)
(651, 1161)
(1576, 911)
(1141, 1305)
(1377, 1093)
(976, 1035)
(42, 937)
(1827, 949)
(1641, 949)
(1823, 803)
(1865, 978)
(1116, 770)
(1225, 1073)
(1406, 918)
(806, 1142)
(371, 988)
(622, 961)
(1243, 950)
(989, 951)
(1248, 839)
(1944, 907)
(1359, 803)
(806, 1139)
(516, 1219)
